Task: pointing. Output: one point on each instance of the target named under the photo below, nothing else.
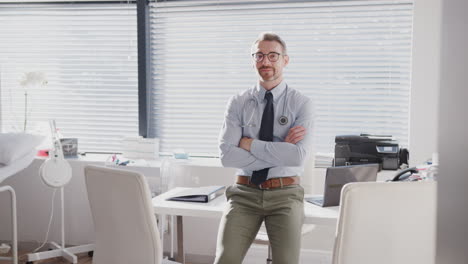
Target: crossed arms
(295, 135)
(252, 154)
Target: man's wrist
(245, 143)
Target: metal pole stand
(60, 250)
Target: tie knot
(268, 96)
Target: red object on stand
(43, 153)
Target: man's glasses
(272, 56)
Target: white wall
(425, 80)
(452, 231)
(34, 204)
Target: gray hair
(269, 36)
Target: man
(266, 135)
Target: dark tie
(266, 134)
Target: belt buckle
(257, 186)
(263, 188)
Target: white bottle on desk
(429, 171)
(432, 170)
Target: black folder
(198, 194)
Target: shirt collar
(276, 91)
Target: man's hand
(245, 143)
(295, 134)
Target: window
(88, 53)
(352, 57)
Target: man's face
(266, 69)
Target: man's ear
(286, 60)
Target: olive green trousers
(282, 209)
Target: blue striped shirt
(243, 118)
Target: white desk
(214, 209)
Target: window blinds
(88, 53)
(353, 58)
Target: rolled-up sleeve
(231, 133)
(287, 154)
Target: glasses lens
(273, 56)
(258, 57)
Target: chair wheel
(91, 253)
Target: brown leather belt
(271, 183)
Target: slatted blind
(353, 58)
(88, 53)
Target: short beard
(272, 78)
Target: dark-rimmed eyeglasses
(272, 56)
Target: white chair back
(124, 221)
(386, 223)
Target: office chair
(386, 223)
(124, 220)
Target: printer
(366, 148)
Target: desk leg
(180, 240)
(172, 237)
(161, 223)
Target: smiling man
(267, 135)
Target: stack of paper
(140, 148)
